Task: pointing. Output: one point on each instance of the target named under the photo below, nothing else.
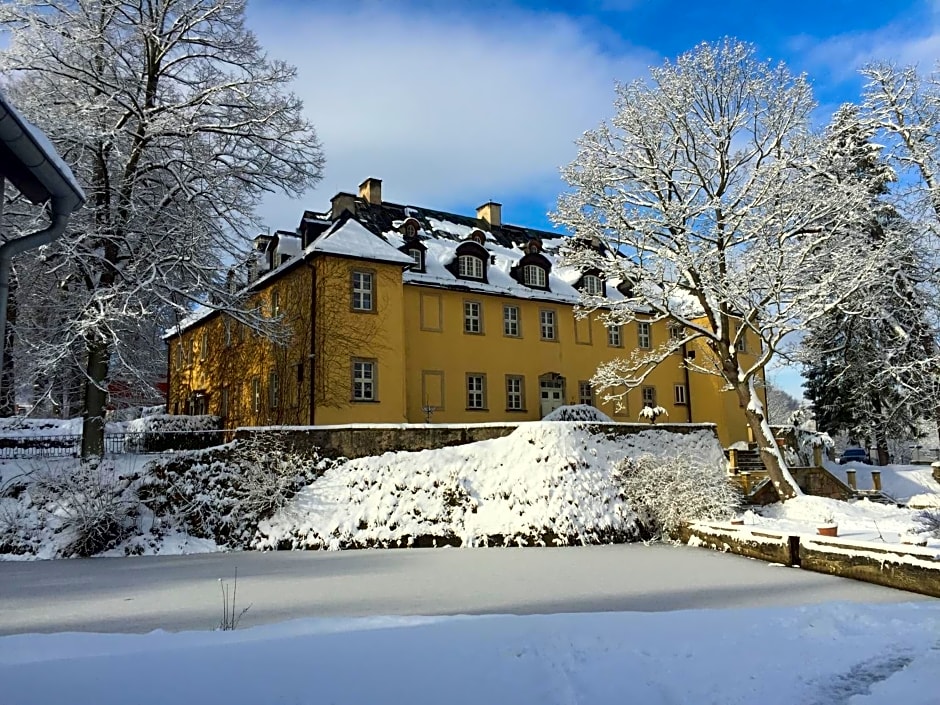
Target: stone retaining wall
(357, 441)
(893, 565)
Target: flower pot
(828, 530)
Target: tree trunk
(95, 398)
(7, 376)
(770, 454)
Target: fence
(70, 445)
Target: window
(741, 344)
(275, 304)
(190, 351)
(592, 285)
(676, 333)
(227, 326)
(224, 402)
(681, 397)
(179, 355)
(649, 396)
(472, 317)
(363, 380)
(470, 266)
(417, 256)
(299, 381)
(533, 275)
(515, 393)
(547, 325)
(256, 394)
(274, 390)
(410, 231)
(204, 345)
(614, 337)
(585, 393)
(644, 339)
(476, 391)
(363, 291)
(511, 321)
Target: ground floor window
(585, 393)
(363, 380)
(515, 393)
(476, 391)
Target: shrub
(578, 412)
(665, 492)
(929, 520)
(222, 493)
(94, 506)
(161, 432)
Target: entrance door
(551, 394)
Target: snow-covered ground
(835, 654)
(912, 485)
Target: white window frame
(644, 335)
(588, 397)
(515, 393)
(473, 317)
(648, 395)
(275, 304)
(418, 256)
(364, 383)
(680, 394)
(534, 275)
(615, 336)
(592, 285)
(476, 391)
(548, 324)
(363, 291)
(511, 321)
(470, 267)
(256, 394)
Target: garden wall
(357, 441)
(893, 565)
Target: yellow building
(383, 313)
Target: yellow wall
(416, 336)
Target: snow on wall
(545, 482)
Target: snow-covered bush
(222, 493)
(651, 413)
(94, 506)
(665, 492)
(578, 412)
(929, 520)
(160, 432)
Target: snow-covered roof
(349, 238)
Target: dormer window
(418, 256)
(470, 267)
(533, 246)
(592, 285)
(478, 236)
(409, 230)
(534, 275)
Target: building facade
(376, 312)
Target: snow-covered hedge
(222, 493)
(546, 483)
(578, 412)
(160, 432)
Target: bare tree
(710, 182)
(177, 123)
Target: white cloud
(447, 109)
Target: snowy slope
(547, 482)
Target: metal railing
(70, 445)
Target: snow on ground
(860, 520)
(547, 482)
(834, 654)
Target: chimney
(371, 191)
(342, 202)
(492, 213)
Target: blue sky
(455, 103)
